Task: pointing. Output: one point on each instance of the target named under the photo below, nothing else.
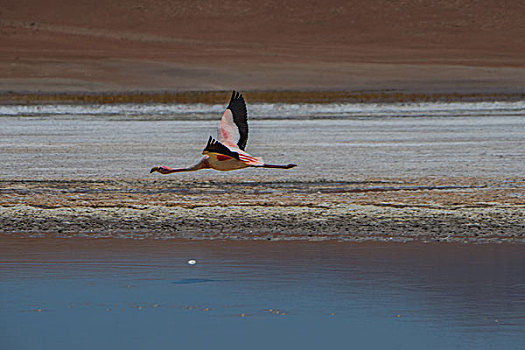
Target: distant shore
(214, 97)
(371, 51)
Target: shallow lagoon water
(85, 294)
(328, 142)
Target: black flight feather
(240, 117)
(215, 146)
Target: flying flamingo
(227, 154)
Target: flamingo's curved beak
(156, 168)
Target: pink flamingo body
(227, 153)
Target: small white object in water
(192, 262)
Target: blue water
(142, 294)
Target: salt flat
(428, 171)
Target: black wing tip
(237, 106)
(212, 143)
(236, 96)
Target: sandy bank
(130, 45)
(415, 210)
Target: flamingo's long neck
(168, 170)
(203, 164)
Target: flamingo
(227, 153)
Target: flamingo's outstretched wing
(222, 152)
(233, 130)
(214, 146)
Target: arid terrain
(147, 45)
(426, 177)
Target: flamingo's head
(160, 169)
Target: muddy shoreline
(452, 176)
(285, 96)
(389, 210)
